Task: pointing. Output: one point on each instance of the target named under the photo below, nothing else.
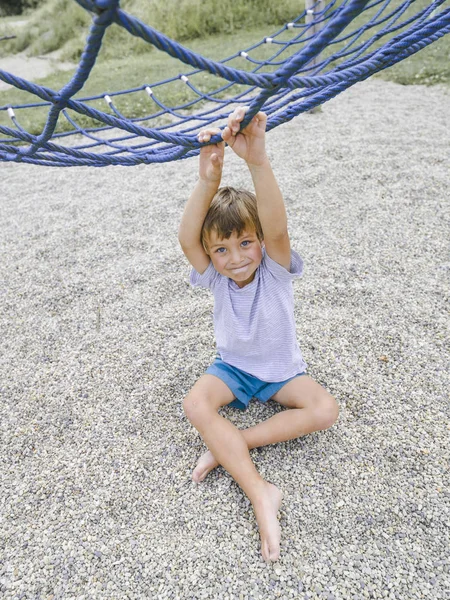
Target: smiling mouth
(239, 269)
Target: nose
(235, 256)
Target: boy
(238, 246)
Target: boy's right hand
(211, 157)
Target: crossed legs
(313, 409)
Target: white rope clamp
(244, 54)
(268, 40)
(310, 11)
(290, 25)
(184, 78)
(107, 99)
(11, 113)
(149, 90)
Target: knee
(195, 408)
(327, 411)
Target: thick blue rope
(298, 85)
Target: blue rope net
(322, 52)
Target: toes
(265, 551)
(199, 475)
(269, 554)
(274, 555)
(196, 476)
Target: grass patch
(182, 20)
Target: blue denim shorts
(243, 385)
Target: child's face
(237, 257)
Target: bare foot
(266, 510)
(206, 463)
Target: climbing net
(326, 49)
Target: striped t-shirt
(254, 325)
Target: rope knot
(59, 101)
(105, 11)
(276, 81)
(105, 4)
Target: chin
(244, 277)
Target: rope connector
(310, 11)
(11, 113)
(290, 25)
(107, 99)
(244, 54)
(184, 78)
(268, 40)
(59, 102)
(149, 90)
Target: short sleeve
(207, 279)
(295, 271)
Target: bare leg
(319, 412)
(279, 428)
(229, 447)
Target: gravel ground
(102, 337)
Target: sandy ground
(32, 67)
(102, 337)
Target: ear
(205, 247)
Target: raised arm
(249, 144)
(210, 174)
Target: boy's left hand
(249, 143)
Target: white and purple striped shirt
(255, 325)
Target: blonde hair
(231, 211)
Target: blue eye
(245, 243)
(220, 250)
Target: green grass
(144, 65)
(61, 24)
